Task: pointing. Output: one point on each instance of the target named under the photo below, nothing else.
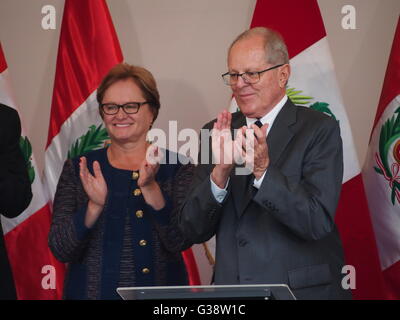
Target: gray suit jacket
(285, 231)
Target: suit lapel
(278, 138)
(280, 134)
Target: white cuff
(218, 193)
(257, 183)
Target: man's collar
(271, 115)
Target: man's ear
(284, 74)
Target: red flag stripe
(191, 267)
(3, 63)
(300, 28)
(359, 240)
(83, 57)
(391, 87)
(392, 280)
(27, 248)
(23, 255)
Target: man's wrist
(220, 176)
(258, 174)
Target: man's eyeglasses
(129, 107)
(250, 77)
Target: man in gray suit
(276, 225)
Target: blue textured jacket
(131, 244)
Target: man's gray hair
(275, 47)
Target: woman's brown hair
(141, 76)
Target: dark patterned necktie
(258, 123)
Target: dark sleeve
(167, 219)
(306, 204)
(200, 214)
(68, 234)
(15, 187)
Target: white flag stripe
(6, 93)
(75, 126)
(206, 269)
(37, 202)
(313, 73)
(38, 199)
(385, 216)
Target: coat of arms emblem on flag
(388, 155)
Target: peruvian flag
(34, 268)
(313, 83)
(381, 173)
(88, 49)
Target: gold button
(135, 175)
(139, 214)
(137, 192)
(145, 270)
(142, 243)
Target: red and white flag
(381, 173)
(34, 268)
(88, 49)
(313, 83)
